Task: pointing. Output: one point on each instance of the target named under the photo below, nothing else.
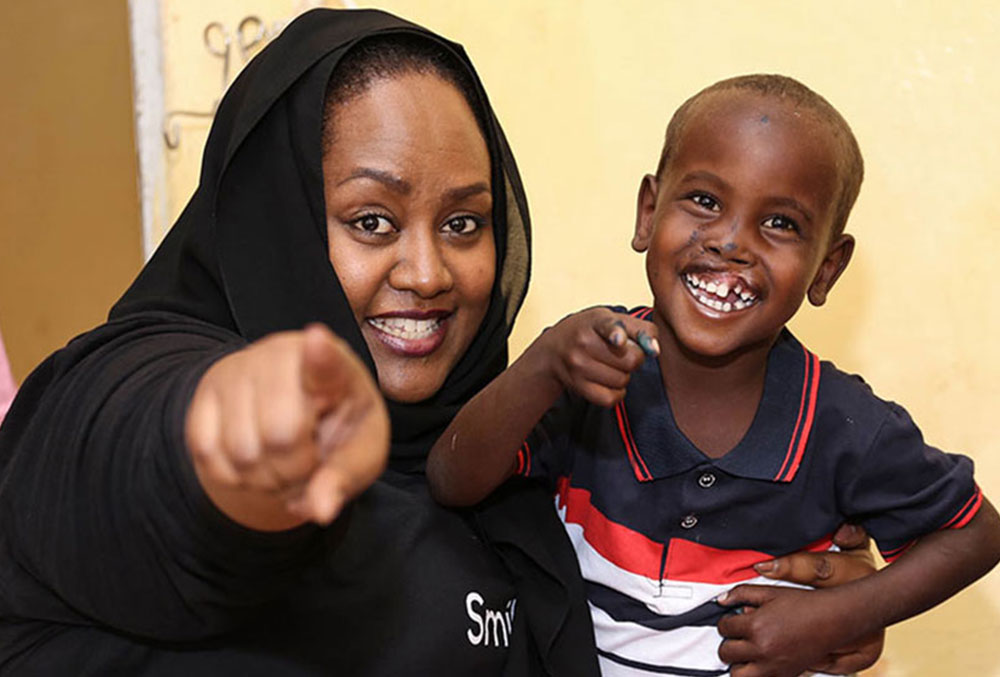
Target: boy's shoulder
(847, 401)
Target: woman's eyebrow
(463, 192)
(390, 180)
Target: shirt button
(706, 480)
(689, 522)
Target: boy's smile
(738, 227)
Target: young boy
(675, 476)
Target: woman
(168, 478)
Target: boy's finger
(612, 330)
(643, 333)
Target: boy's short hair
(850, 164)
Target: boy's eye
(705, 201)
(462, 225)
(373, 224)
(779, 222)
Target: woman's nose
(421, 266)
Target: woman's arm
(785, 631)
(590, 353)
(103, 518)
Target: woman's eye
(373, 224)
(779, 222)
(462, 225)
(705, 201)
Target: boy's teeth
(715, 295)
(405, 327)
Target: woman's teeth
(719, 295)
(405, 327)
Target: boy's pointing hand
(594, 352)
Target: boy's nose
(421, 267)
(728, 242)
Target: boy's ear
(644, 210)
(836, 260)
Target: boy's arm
(785, 631)
(591, 353)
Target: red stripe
(635, 447)
(640, 311)
(523, 460)
(696, 563)
(967, 512)
(798, 420)
(807, 406)
(628, 549)
(638, 466)
(894, 554)
(807, 428)
(686, 560)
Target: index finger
(329, 367)
(619, 329)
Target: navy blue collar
(772, 448)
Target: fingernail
(721, 599)
(765, 567)
(618, 338)
(648, 345)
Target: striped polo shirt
(660, 529)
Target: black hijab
(249, 252)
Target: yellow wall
(69, 209)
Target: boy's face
(739, 226)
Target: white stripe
(695, 647)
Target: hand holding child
(746, 637)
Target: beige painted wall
(584, 89)
(69, 210)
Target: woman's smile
(410, 333)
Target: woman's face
(409, 220)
